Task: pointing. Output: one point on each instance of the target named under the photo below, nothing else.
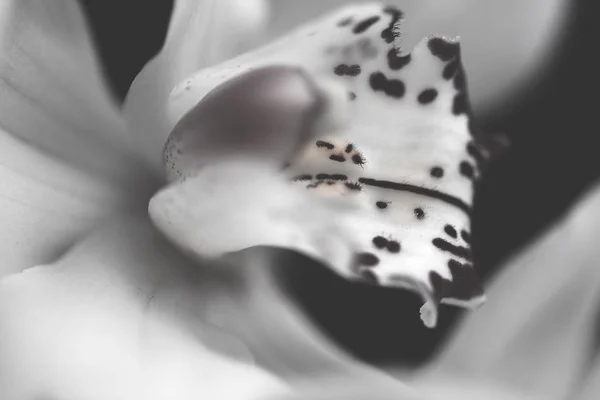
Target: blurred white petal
(118, 318)
(64, 152)
(460, 387)
(124, 316)
(507, 44)
(591, 388)
(225, 154)
(201, 33)
(346, 390)
(538, 330)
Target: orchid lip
(408, 144)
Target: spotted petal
(401, 173)
(507, 45)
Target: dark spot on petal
(337, 157)
(437, 172)
(393, 246)
(382, 205)
(349, 148)
(444, 50)
(380, 242)
(449, 229)
(352, 96)
(367, 259)
(358, 159)
(419, 213)
(347, 70)
(427, 96)
(391, 87)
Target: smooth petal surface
(117, 318)
(123, 315)
(64, 151)
(201, 33)
(386, 199)
(591, 387)
(507, 44)
(538, 331)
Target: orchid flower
(99, 302)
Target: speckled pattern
(405, 167)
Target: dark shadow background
(553, 159)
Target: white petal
(459, 387)
(507, 44)
(201, 33)
(538, 330)
(591, 386)
(64, 159)
(410, 141)
(117, 318)
(124, 316)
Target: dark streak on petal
(337, 157)
(458, 251)
(364, 25)
(323, 144)
(332, 177)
